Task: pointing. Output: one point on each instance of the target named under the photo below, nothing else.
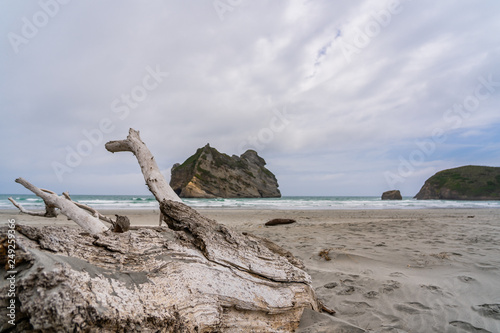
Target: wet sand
(388, 270)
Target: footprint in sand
(411, 307)
(468, 327)
(331, 285)
(371, 294)
(352, 308)
(432, 289)
(466, 279)
(485, 267)
(397, 274)
(349, 290)
(390, 286)
(488, 310)
(358, 305)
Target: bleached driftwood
(142, 281)
(91, 210)
(67, 207)
(120, 224)
(194, 276)
(155, 181)
(50, 210)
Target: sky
(339, 97)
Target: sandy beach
(382, 270)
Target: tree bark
(67, 207)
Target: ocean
(296, 202)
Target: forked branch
(67, 207)
(50, 210)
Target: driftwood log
(52, 206)
(91, 210)
(50, 210)
(279, 221)
(155, 181)
(67, 207)
(194, 276)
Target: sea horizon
(33, 202)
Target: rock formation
(463, 183)
(392, 195)
(211, 174)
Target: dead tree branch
(152, 175)
(67, 207)
(50, 211)
(91, 210)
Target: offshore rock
(469, 182)
(392, 195)
(211, 174)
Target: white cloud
(226, 77)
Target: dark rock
(279, 221)
(392, 195)
(211, 174)
(463, 183)
(122, 224)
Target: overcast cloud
(340, 98)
